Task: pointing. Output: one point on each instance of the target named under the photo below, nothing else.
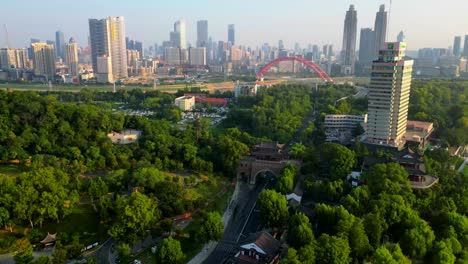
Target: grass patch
(83, 221)
(465, 171)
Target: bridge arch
(321, 73)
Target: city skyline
(325, 27)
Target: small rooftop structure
(293, 198)
(259, 247)
(49, 240)
(127, 136)
(268, 151)
(418, 133)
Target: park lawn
(12, 170)
(83, 221)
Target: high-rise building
(173, 56)
(280, 45)
(349, 42)
(232, 34)
(133, 57)
(457, 46)
(108, 39)
(104, 69)
(401, 37)
(197, 56)
(99, 34)
(71, 49)
(13, 58)
(366, 49)
(60, 45)
(139, 48)
(380, 29)
(202, 33)
(465, 47)
(389, 92)
(44, 59)
(118, 48)
(180, 27)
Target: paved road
(105, 254)
(238, 223)
(462, 167)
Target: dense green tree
(337, 161)
(299, 231)
(390, 254)
(443, 253)
(169, 251)
(333, 250)
(390, 178)
(135, 214)
(97, 188)
(124, 251)
(211, 228)
(273, 208)
(285, 183)
(298, 151)
(24, 255)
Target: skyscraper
(99, 36)
(401, 37)
(13, 58)
(44, 59)
(231, 34)
(197, 56)
(389, 92)
(72, 57)
(202, 33)
(59, 44)
(380, 29)
(280, 45)
(349, 42)
(180, 27)
(108, 39)
(366, 49)
(465, 47)
(457, 46)
(118, 47)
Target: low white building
(345, 121)
(185, 103)
(127, 136)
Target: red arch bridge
(320, 73)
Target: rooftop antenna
(7, 36)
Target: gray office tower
(349, 42)
(457, 46)
(231, 34)
(99, 34)
(380, 28)
(60, 45)
(366, 49)
(202, 33)
(465, 47)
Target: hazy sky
(426, 23)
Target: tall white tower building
(389, 93)
(180, 27)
